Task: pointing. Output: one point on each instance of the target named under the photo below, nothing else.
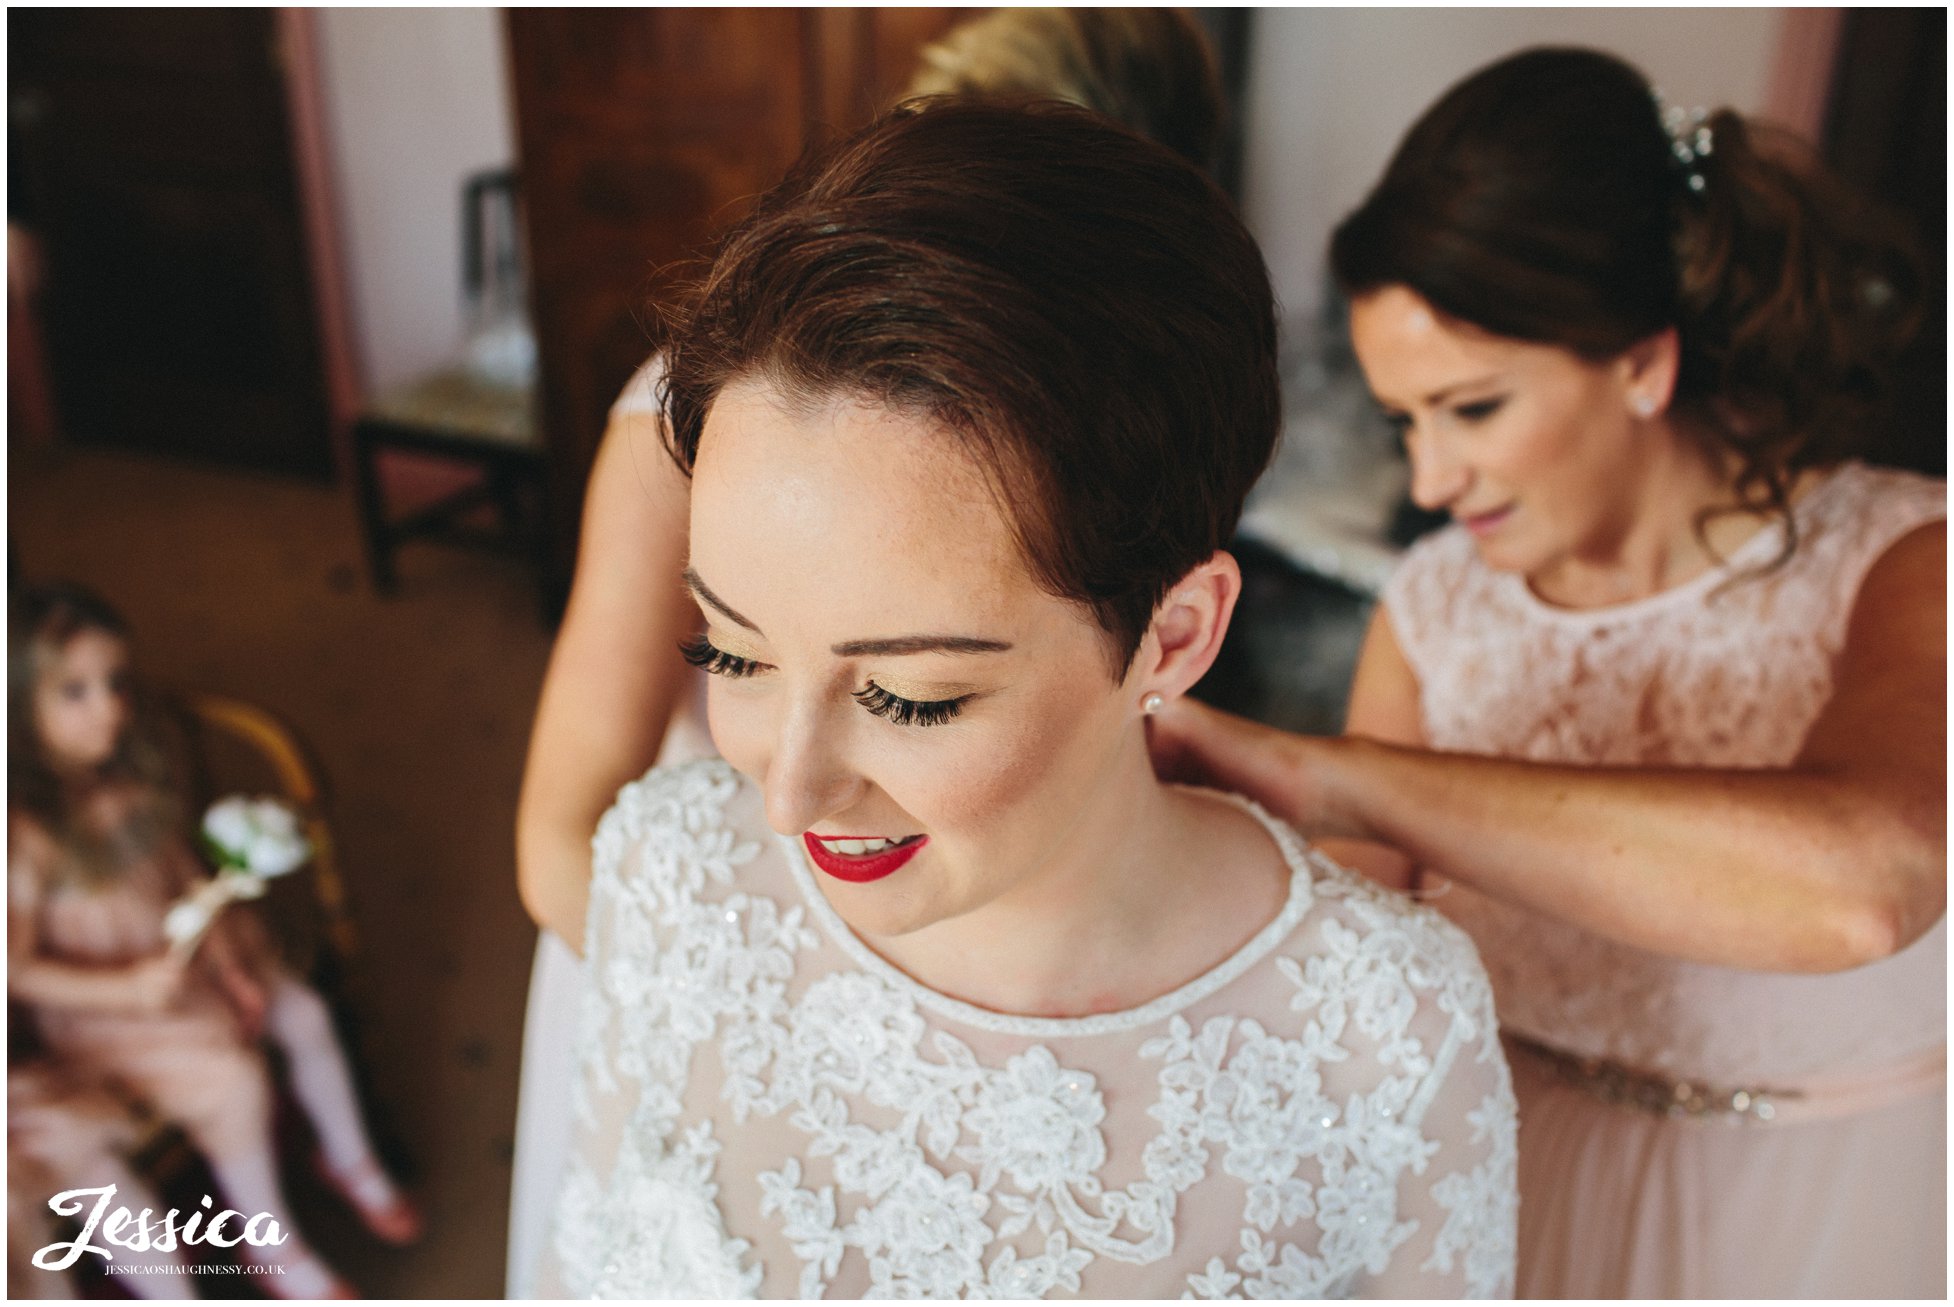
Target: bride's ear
(1188, 627)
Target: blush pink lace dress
(188, 1059)
(1691, 1130)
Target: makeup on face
(1484, 524)
(1512, 438)
(702, 653)
(921, 717)
(855, 859)
(862, 860)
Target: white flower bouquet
(249, 841)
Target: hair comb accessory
(1690, 139)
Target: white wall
(1330, 91)
(415, 101)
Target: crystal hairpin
(1690, 140)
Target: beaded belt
(1648, 1091)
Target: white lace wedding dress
(1695, 1131)
(768, 1108)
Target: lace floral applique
(979, 1180)
(1032, 1128)
(663, 1226)
(1480, 1205)
(656, 1219)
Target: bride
(931, 988)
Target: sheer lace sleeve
(638, 1203)
(605, 1094)
(1462, 1200)
(1439, 1113)
(1867, 512)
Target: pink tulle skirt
(1621, 1203)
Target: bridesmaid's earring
(1643, 406)
(1152, 704)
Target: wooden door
(1886, 130)
(641, 133)
(154, 163)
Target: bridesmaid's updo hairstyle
(1079, 307)
(1543, 199)
(1151, 69)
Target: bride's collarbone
(1213, 893)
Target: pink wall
(310, 148)
(1801, 82)
(393, 109)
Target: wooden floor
(419, 709)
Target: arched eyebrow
(1444, 393)
(705, 596)
(894, 646)
(914, 644)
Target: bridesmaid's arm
(1834, 862)
(1383, 707)
(615, 675)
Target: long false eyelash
(907, 712)
(1480, 410)
(703, 653)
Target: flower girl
(97, 858)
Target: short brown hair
(1081, 307)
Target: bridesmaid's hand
(1193, 744)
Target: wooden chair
(234, 747)
(457, 417)
(484, 422)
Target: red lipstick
(860, 869)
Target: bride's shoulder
(687, 813)
(698, 792)
(1360, 935)
(1344, 932)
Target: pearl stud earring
(1643, 406)
(1152, 703)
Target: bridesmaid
(1661, 717)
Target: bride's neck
(1153, 886)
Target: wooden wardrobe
(641, 133)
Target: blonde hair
(1149, 69)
